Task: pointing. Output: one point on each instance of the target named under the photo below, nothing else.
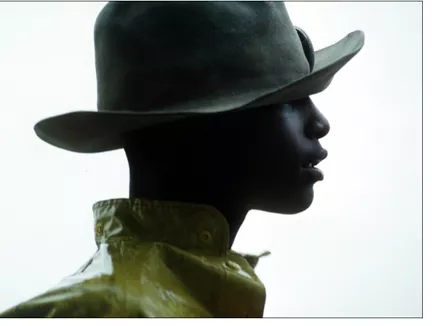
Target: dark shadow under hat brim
(93, 132)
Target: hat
(158, 62)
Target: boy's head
(219, 92)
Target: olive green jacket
(155, 259)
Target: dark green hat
(158, 62)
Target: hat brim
(96, 131)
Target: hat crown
(152, 55)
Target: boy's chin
(292, 203)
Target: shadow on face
(261, 158)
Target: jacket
(155, 259)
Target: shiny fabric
(155, 259)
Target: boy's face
(282, 149)
(258, 158)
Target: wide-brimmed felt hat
(158, 62)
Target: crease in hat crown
(170, 53)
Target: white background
(355, 252)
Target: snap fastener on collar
(99, 229)
(205, 237)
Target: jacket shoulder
(78, 300)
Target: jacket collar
(190, 227)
